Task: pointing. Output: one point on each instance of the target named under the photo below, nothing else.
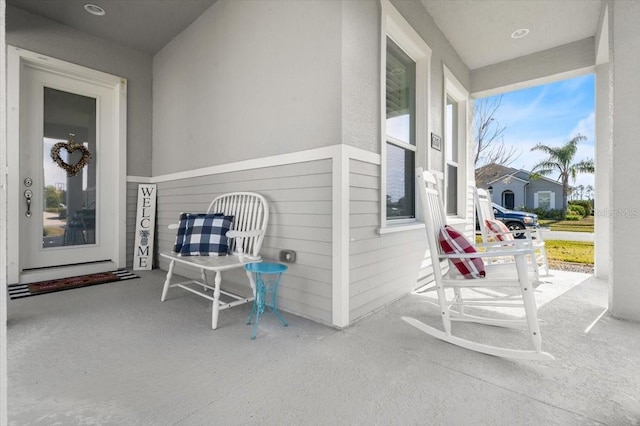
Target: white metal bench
(251, 214)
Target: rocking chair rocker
(513, 275)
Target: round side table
(274, 272)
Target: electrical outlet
(288, 256)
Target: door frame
(16, 59)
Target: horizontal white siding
(382, 268)
(299, 197)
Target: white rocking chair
(485, 212)
(512, 275)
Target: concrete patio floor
(113, 354)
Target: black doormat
(18, 291)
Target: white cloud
(585, 127)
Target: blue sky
(551, 114)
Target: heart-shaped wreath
(71, 146)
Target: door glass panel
(69, 192)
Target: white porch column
(603, 174)
(625, 231)
(604, 146)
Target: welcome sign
(145, 226)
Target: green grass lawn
(53, 231)
(565, 251)
(584, 225)
(570, 251)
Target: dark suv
(515, 220)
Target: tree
(560, 161)
(589, 192)
(52, 197)
(489, 140)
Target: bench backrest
(250, 212)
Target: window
(451, 152)
(455, 146)
(404, 81)
(544, 200)
(401, 132)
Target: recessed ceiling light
(94, 9)
(520, 33)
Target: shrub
(586, 204)
(577, 208)
(571, 216)
(546, 214)
(542, 213)
(554, 214)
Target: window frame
(395, 27)
(536, 199)
(454, 90)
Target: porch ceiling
(480, 31)
(141, 24)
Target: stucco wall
(248, 79)
(361, 74)
(536, 185)
(32, 32)
(227, 92)
(514, 185)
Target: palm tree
(560, 161)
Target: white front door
(68, 197)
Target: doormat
(18, 291)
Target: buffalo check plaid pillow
(453, 242)
(498, 230)
(206, 235)
(182, 228)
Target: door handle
(28, 194)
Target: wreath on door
(71, 146)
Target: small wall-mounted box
(288, 256)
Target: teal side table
(263, 286)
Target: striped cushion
(498, 230)
(453, 242)
(206, 235)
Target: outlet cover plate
(287, 256)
